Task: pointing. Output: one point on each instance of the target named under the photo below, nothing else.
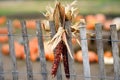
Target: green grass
(85, 6)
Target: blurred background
(104, 11)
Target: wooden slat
(1, 67)
(52, 28)
(71, 61)
(12, 50)
(98, 28)
(53, 31)
(84, 47)
(27, 51)
(115, 51)
(41, 51)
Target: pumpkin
(78, 56)
(3, 38)
(101, 18)
(108, 54)
(19, 50)
(90, 20)
(33, 44)
(5, 49)
(33, 57)
(92, 56)
(108, 59)
(2, 20)
(3, 30)
(107, 24)
(49, 56)
(16, 23)
(31, 24)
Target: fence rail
(84, 46)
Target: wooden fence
(84, 46)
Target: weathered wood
(12, 50)
(71, 61)
(84, 47)
(27, 51)
(1, 67)
(53, 32)
(115, 51)
(41, 51)
(52, 28)
(98, 29)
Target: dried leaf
(66, 43)
(73, 3)
(57, 37)
(62, 14)
(56, 17)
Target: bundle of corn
(59, 42)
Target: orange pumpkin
(48, 52)
(33, 57)
(31, 24)
(23, 55)
(100, 18)
(90, 19)
(90, 26)
(5, 49)
(49, 56)
(2, 20)
(108, 54)
(78, 56)
(33, 45)
(107, 24)
(19, 50)
(16, 23)
(3, 31)
(108, 58)
(3, 38)
(92, 56)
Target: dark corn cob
(58, 51)
(65, 61)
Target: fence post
(41, 51)
(53, 31)
(27, 51)
(115, 51)
(84, 47)
(98, 29)
(1, 67)
(71, 62)
(12, 50)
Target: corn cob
(65, 61)
(58, 50)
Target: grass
(85, 6)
